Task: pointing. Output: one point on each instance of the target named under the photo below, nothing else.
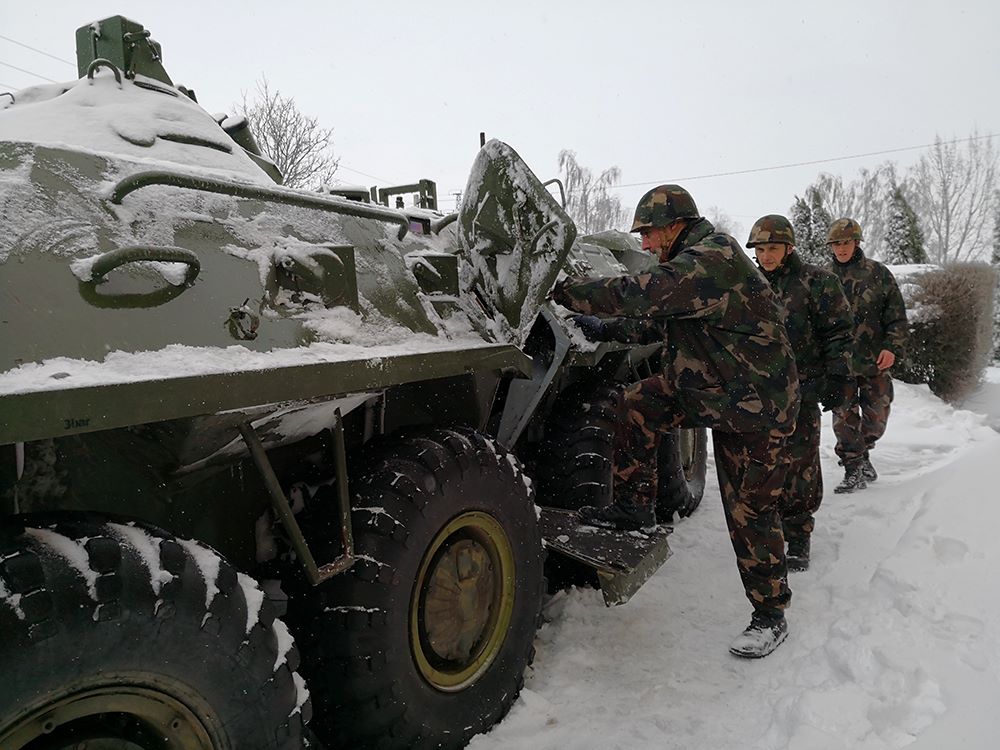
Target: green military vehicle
(270, 458)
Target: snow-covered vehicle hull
(224, 402)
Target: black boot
(620, 516)
(867, 470)
(764, 634)
(797, 557)
(853, 478)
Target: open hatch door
(514, 238)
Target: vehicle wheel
(118, 635)
(424, 641)
(575, 464)
(681, 472)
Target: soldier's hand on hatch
(593, 327)
(558, 293)
(885, 360)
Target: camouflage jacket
(818, 320)
(726, 352)
(879, 311)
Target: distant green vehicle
(225, 402)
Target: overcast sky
(664, 90)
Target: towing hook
(243, 322)
(100, 62)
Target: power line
(30, 73)
(803, 163)
(35, 49)
(358, 171)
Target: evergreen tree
(821, 221)
(800, 216)
(811, 221)
(904, 241)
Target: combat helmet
(771, 228)
(662, 206)
(842, 230)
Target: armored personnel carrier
(271, 460)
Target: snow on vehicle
(225, 402)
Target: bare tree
(866, 199)
(588, 199)
(954, 189)
(723, 222)
(995, 260)
(294, 141)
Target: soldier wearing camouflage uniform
(727, 364)
(879, 338)
(819, 324)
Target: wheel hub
(459, 595)
(110, 717)
(463, 600)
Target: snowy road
(894, 631)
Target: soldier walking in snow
(727, 364)
(819, 324)
(879, 337)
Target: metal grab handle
(100, 62)
(533, 246)
(109, 261)
(285, 196)
(437, 226)
(562, 190)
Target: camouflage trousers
(646, 410)
(751, 469)
(803, 491)
(862, 422)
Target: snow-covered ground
(894, 631)
(986, 398)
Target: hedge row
(950, 315)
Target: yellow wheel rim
(135, 716)
(462, 602)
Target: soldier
(819, 325)
(727, 364)
(879, 337)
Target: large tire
(124, 636)
(681, 470)
(393, 659)
(574, 465)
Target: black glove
(593, 327)
(835, 392)
(558, 293)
